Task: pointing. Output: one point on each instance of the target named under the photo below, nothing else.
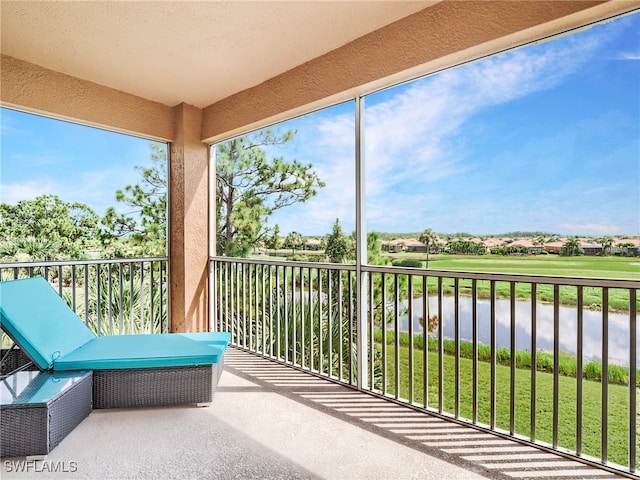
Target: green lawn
(582, 266)
(550, 265)
(618, 418)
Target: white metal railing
(549, 360)
(113, 297)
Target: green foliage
(145, 225)
(426, 378)
(122, 300)
(293, 241)
(407, 262)
(250, 187)
(468, 247)
(429, 238)
(274, 242)
(336, 245)
(45, 229)
(567, 364)
(571, 248)
(315, 333)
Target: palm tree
(293, 240)
(428, 237)
(571, 247)
(606, 242)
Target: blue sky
(542, 138)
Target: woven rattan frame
(150, 387)
(36, 429)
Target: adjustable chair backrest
(40, 321)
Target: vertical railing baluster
(245, 319)
(370, 313)
(294, 315)
(474, 352)
(286, 314)
(556, 363)
(440, 349)
(605, 375)
(132, 317)
(143, 299)
(579, 368)
(352, 337)
(152, 296)
(383, 326)
(633, 381)
(98, 297)
(110, 297)
(320, 302)
(263, 314)
(330, 310)
(425, 340)
(86, 294)
(73, 288)
(410, 325)
(396, 331)
(534, 362)
(164, 300)
(60, 280)
(121, 296)
(255, 319)
(310, 315)
(303, 322)
(456, 336)
(278, 315)
(237, 297)
(492, 399)
(247, 291)
(512, 358)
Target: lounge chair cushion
(40, 321)
(146, 351)
(50, 332)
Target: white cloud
(414, 137)
(27, 190)
(629, 56)
(94, 188)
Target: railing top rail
(511, 277)
(80, 262)
(501, 277)
(265, 261)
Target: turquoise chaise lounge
(128, 370)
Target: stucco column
(188, 223)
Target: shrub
(407, 263)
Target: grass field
(618, 396)
(554, 265)
(627, 268)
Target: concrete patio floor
(268, 421)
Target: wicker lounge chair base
(34, 422)
(151, 387)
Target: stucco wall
(34, 89)
(443, 35)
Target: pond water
(619, 330)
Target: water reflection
(592, 327)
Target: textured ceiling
(193, 52)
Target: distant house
(528, 244)
(415, 246)
(626, 246)
(404, 245)
(591, 248)
(554, 247)
(492, 242)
